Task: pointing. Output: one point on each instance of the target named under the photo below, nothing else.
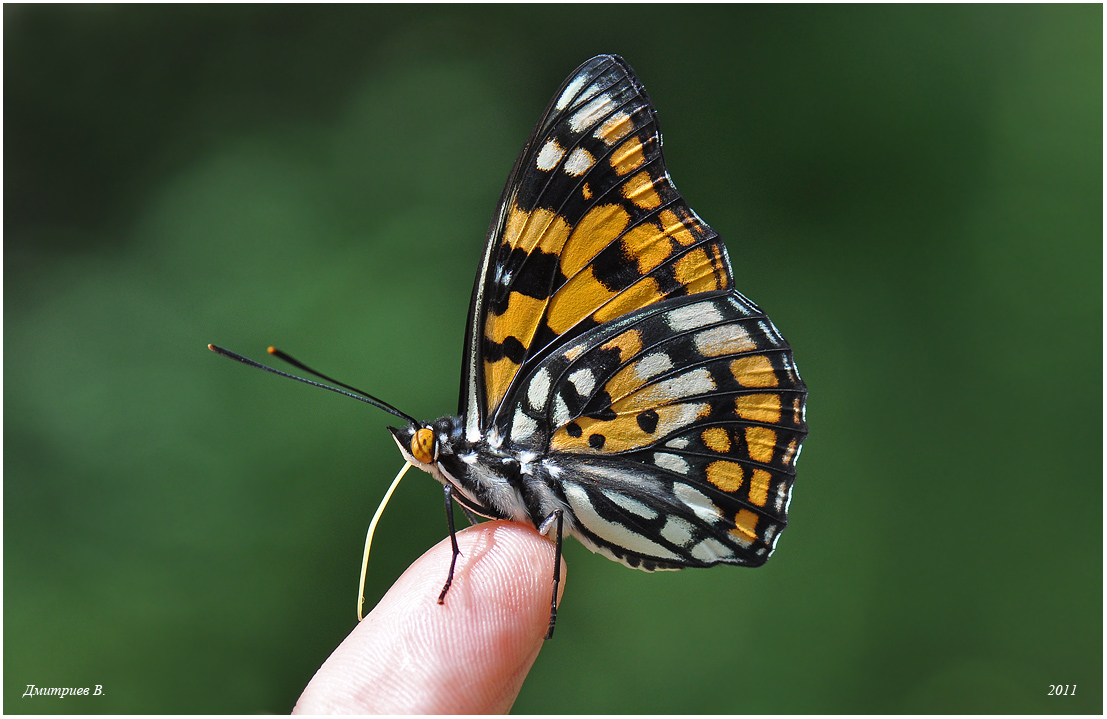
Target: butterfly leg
(453, 541)
(557, 571)
(469, 515)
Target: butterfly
(615, 386)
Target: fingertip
(468, 655)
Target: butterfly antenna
(355, 393)
(297, 363)
(369, 538)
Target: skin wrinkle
(470, 655)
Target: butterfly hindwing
(590, 228)
(675, 429)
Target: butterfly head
(417, 443)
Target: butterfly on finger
(615, 386)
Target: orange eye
(422, 445)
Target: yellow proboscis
(369, 538)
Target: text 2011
(1061, 690)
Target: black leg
(557, 576)
(468, 515)
(453, 540)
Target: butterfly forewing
(590, 228)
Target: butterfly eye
(422, 445)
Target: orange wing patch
(595, 231)
(627, 431)
(516, 321)
(754, 371)
(643, 292)
(674, 227)
(699, 272)
(647, 245)
(759, 487)
(759, 407)
(639, 190)
(745, 527)
(727, 476)
(716, 439)
(644, 413)
(543, 229)
(628, 343)
(760, 443)
(497, 378)
(629, 157)
(632, 377)
(576, 299)
(689, 384)
(615, 128)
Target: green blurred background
(913, 193)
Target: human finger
(469, 655)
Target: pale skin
(469, 655)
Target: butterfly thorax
(489, 477)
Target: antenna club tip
(211, 346)
(272, 350)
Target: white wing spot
(677, 531)
(711, 550)
(584, 381)
(725, 339)
(550, 154)
(539, 389)
(740, 305)
(522, 427)
(631, 505)
(678, 443)
(652, 365)
(771, 331)
(579, 162)
(590, 114)
(689, 384)
(671, 462)
(693, 316)
(560, 413)
(685, 415)
(781, 496)
(571, 91)
(698, 502)
(789, 454)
